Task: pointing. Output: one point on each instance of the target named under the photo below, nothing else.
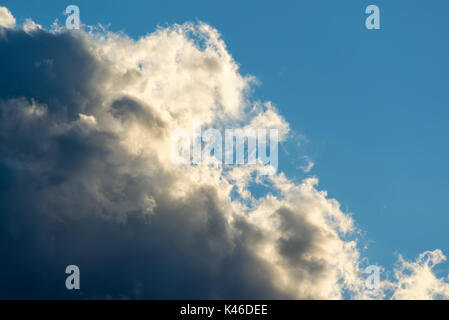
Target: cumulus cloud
(85, 124)
(7, 20)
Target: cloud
(30, 26)
(85, 124)
(7, 20)
(308, 166)
(416, 280)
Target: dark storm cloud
(70, 195)
(55, 69)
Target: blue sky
(372, 104)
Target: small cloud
(7, 20)
(30, 26)
(308, 166)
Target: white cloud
(7, 20)
(417, 280)
(308, 166)
(30, 26)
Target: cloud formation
(7, 20)
(85, 124)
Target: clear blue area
(373, 104)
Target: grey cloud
(131, 110)
(75, 196)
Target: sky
(368, 108)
